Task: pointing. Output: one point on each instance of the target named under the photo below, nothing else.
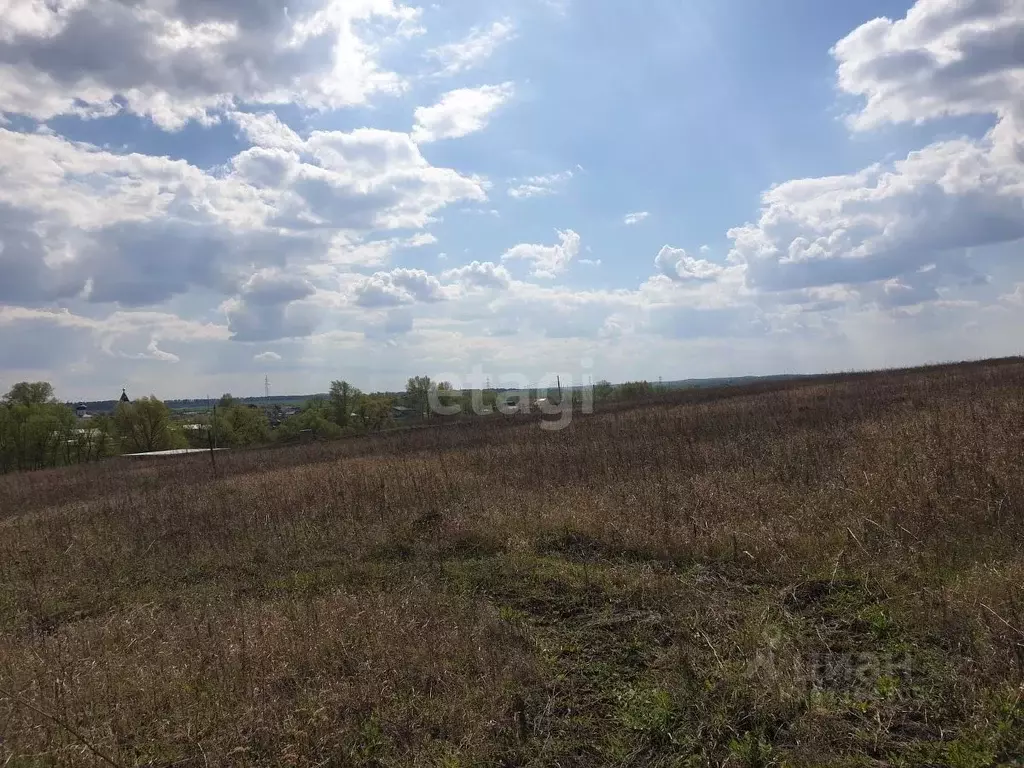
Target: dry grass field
(825, 572)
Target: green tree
(344, 400)
(375, 412)
(315, 418)
(251, 426)
(6, 438)
(480, 401)
(93, 442)
(634, 390)
(145, 426)
(417, 393)
(34, 428)
(603, 390)
(30, 393)
(239, 425)
(444, 395)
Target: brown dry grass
(821, 572)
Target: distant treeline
(39, 431)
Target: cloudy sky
(198, 193)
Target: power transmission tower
(266, 387)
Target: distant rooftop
(174, 452)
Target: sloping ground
(823, 573)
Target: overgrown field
(826, 572)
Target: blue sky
(201, 194)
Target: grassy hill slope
(807, 573)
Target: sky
(197, 196)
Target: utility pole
(212, 434)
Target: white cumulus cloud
(139, 229)
(460, 112)
(945, 57)
(903, 230)
(177, 60)
(478, 46)
(677, 264)
(478, 274)
(547, 261)
(398, 287)
(539, 186)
